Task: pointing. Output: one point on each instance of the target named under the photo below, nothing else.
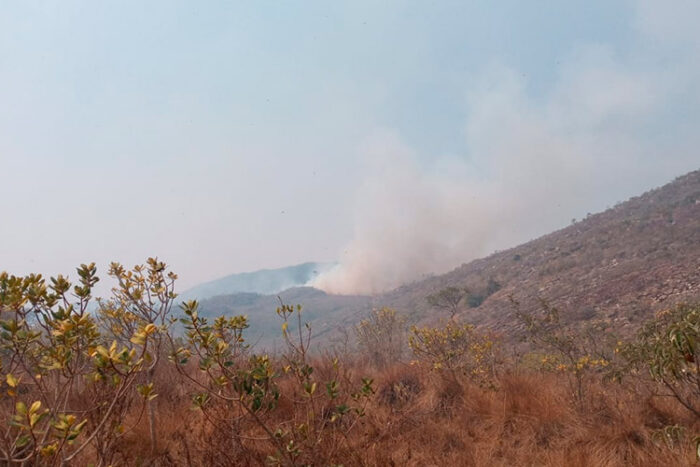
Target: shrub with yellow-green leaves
(455, 347)
(140, 308)
(667, 348)
(554, 362)
(237, 390)
(578, 353)
(67, 386)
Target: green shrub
(68, 383)
(247, 387)
(668, 347)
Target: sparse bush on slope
(455, 347)
(579, 354)
(668, 348)
(381, 337)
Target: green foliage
(492, 287)
(53, 350)
(140, 309)
(381, 336)
(668, 347)
(474, 300)
(251, 385)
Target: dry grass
(422, 418)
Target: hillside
(264, 281)
(324, 311)
(622, 264)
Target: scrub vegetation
(117, 385)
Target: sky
(397, 138)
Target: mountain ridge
(263, 281)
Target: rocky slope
(622, 264)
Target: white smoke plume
(599, 135)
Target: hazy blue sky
(230, 136)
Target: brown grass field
(418, 417)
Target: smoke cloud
(603, 131)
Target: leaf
(138, 339)
(11, 380)
(102, 351)
(36, 418)
(49, 450)
(310, 388)
(23, 441)
(35, 407)
(79, 426)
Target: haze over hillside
(621, 265)
(264, 281)
(397, 140)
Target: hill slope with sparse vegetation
(621, 265)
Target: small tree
(68, 386)
(574, 352)
(458, 348)
(668, 347)
(381, 336)
(448, 299)
(144, 296)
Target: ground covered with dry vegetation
(128, 384)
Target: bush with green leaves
(668, 348)
(143, 297)
(67, 385)
(239, 391)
